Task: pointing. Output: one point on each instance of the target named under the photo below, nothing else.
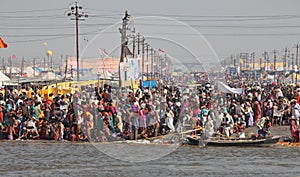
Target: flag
(103, 52)
(160, 50)
(2, 43)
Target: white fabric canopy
(226, 89)
(3, 77)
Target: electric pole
(297, 48)
(143, 59)
(10, 68)
(152, 60)
(133, 44)
(79, 15)
(293, 68)
(66, 67)
(274, 65)
(34, 67)
(147, 63)
(138, 43)
(285, 58)
(123, 43)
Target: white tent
(50, 76)
(105, 75)
(3, 78)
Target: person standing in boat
(227, 123)
(264, 125)
(248, 114)
(170, 119)
(241, 128)
(203, 116)
(295, 110)
(256, 111)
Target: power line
(30, 11)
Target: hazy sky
(32, 27)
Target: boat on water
(220, 141)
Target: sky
(188, 31)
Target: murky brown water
(75, 159)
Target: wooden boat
(219, 141)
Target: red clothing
(298, 98)
(295, 132)
(257, 112)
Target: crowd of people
(93, 114)
(102, 114)
(262, 105)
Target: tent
(226, 89)
(50, 76)
(3, 78)
(105, 75)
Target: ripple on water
(71, 159)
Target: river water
(86, 159)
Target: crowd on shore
(262, 105)
(94, 114)
(102, 114)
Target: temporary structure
(3, 78)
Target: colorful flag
(160, 50)
(103, 52)
(2, 43)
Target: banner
(133, 70)
(226, 89)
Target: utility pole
(253, 65)
(267, 60)
(61, 64)
(138, 43)
(293, 68)
(152, 60)
(10, 68)
(66, 67)
(274, 64)
(297, 48)
(21, 70)
(285, 58)
(147, 63)
(143, 53)
(234, 61)
(133, 44)
(44, 64)
(34, 67)
(76, 11)
(51, 63)
(166, 65)
(161, 62)
(3, 66)
(123, 43)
